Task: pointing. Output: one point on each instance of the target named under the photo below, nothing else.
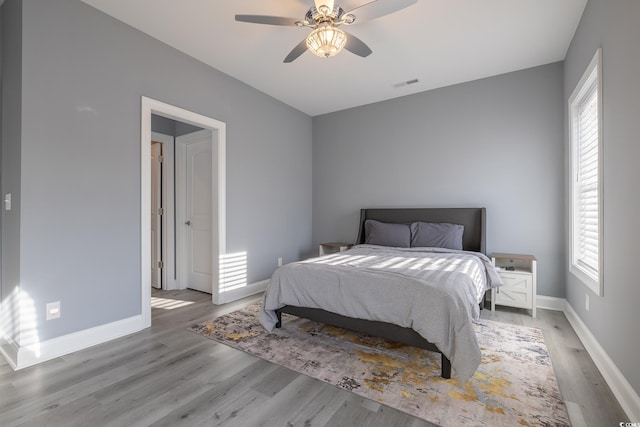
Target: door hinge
(160, 264)
(161, 211)
(160, 159)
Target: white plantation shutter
(587, 182)
(585, 116)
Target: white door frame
(148, 107)
(168, 219)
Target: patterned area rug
(514, 385)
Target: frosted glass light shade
(326, 41)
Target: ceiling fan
(325, 17)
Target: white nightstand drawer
(517, 290)
(516, 280)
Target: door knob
(188, 223)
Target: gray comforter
(433, 291)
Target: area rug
(514, 386)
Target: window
(585, 116)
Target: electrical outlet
(53, 310)
(280, 262)
(586, 302)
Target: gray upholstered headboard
(473, 219)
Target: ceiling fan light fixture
(326, 5)
(324, 10)
(326, 41)
(349, 19)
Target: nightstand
(518, 272)
(333, 247)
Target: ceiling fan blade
(353, 4)
(267, 20)
(296, 52)
(377, 8)
(357, 46)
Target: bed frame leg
(279, 323)
(446, 367)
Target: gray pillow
(437, 235)
(387, 234)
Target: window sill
(591, 283)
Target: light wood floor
(169, 376)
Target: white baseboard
(9, 350)
(245, 291)
(622, 390)
(550, 303)
(22, 357)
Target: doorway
(182, 239)
(216, 158)
(196, 196)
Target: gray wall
(10, 172)
(495, 142)
(83, 71)
(614, 318)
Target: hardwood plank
(355, 412)
(275, 382)
(292, 399)
(40, 402)
(155, 407)
(72, 414)
(218, 403)
(147, 383)
(321, 409)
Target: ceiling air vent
(407, 83)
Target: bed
(369, 281)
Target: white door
(156, 217)
(199, 197)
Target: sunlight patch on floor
(168, 304)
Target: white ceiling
(439, 42)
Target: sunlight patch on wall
(29, 324)
(233, 271)
(9, 317)
(19, 321)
